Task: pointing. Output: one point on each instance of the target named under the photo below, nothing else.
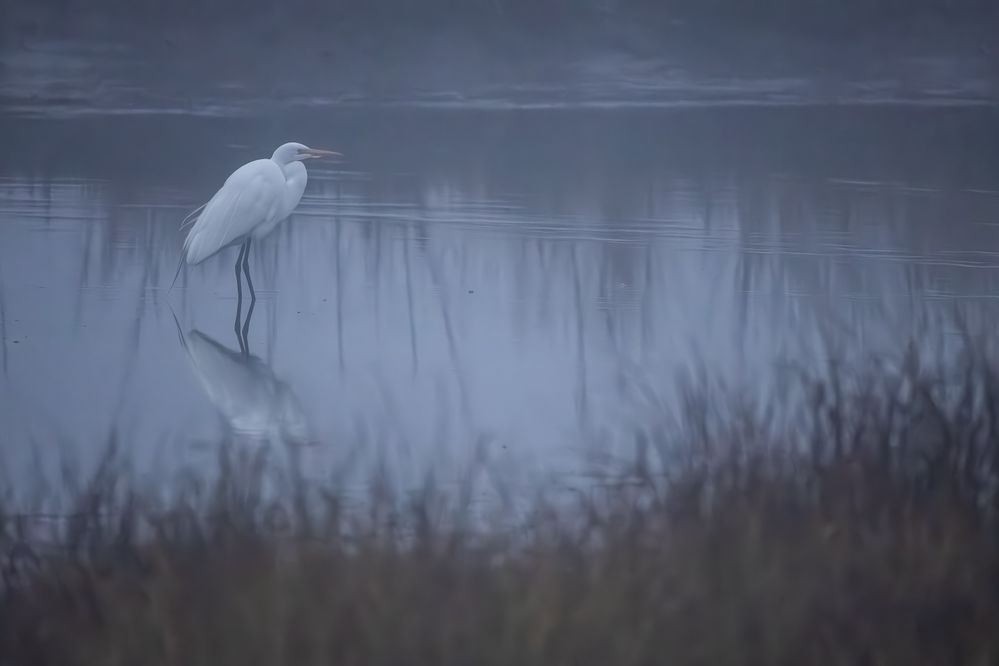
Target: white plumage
(253, 200)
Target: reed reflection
(523, 291)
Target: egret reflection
(251, 399)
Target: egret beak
(317, 153)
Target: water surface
(526, 283)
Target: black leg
(239, 298)
(246, 269)
(253, 295)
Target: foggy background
(223, 57)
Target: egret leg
(239, 298)
(246, 270)
(253, 295)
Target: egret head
(295, 152)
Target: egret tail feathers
(192, 217)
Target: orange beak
(317, 153)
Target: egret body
(253, 201)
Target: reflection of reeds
(861, 528)
(3, 327)
(768, 236)
(583, 270)
(413, 345)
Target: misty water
(530, 284)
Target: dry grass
(859, 529)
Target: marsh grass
(852, 522)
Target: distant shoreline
(270, 63)
(843, 16)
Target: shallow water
(520, 283)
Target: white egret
(252, 202)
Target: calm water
(526, 283)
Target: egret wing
(251, 196)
